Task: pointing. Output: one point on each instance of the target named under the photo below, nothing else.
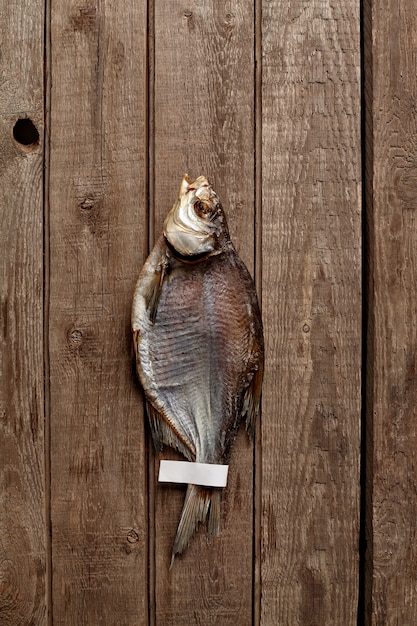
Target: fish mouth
(194, 225)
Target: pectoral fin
(155, 288)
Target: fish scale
(189, 353)
(198, 342)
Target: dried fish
(198, 343)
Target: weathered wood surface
(97, 244)
(203, 110)
(23, 528)
(129, 111)
(392, 383)
(311, 269)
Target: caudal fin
(198, 503)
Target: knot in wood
(75, 336)
(132, 536)
(87, 204)
(26, 135)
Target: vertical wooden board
(393, 337)
(204, 124)
(98, 238)
(311, 268)
(23, 544)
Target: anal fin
(162, 433)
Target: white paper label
(205, 474)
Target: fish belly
(199, 347)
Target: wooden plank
(23, 536)
(392, 380)
(98, 242)
(204, 124)
(311, 267)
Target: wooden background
(302, 113)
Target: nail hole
(26, 134)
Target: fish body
(198, 343)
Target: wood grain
(287, 140)
(23, 527)
(393, 334)
(204, 124)
(311, 268)
(98, 240)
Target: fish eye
(202, 209)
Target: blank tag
(205, 474)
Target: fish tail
(198, 504)
(213, 527)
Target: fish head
(196, 224)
